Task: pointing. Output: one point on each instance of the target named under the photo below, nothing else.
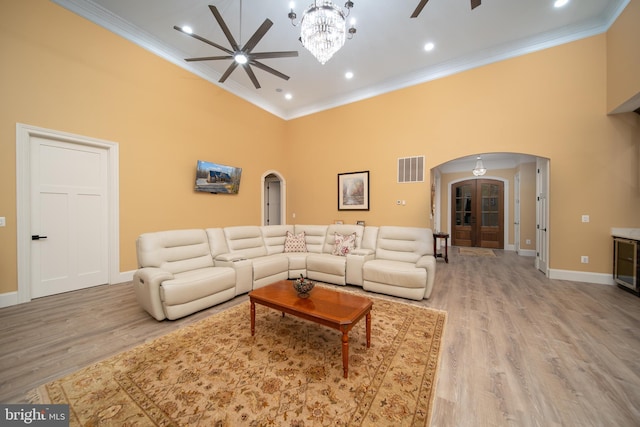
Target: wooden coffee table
(337, 310)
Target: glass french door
(478, 213)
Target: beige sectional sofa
(184, 271)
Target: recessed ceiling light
(560, 3)
(429, 47)
(288, 96)
(187, 29)
(348, 75)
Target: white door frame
(516, 212)
(283, 196)
(24, 133)
(542, 215)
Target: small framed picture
(360, 223)
(353, 191)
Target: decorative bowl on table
(303, 287)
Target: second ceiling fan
(244, 55)
(423, 3)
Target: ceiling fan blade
(208, 58)
(419, 8)
(251, 75)
(224, 28)
(266, 55)
(202, 39)
(269, 70)
(257, 36)
(475, 3)
(227, 73)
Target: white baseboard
(527, 252)
(582, 276)
(8, 299)
(125, 276)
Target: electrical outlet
(528, 241)
(585, 218)
(3, 221)
(584, 259)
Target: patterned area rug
(213, 373)
(477, 252)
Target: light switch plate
(3, 221)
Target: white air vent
(411, 169)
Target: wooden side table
(437, 254)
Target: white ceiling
(386, 53)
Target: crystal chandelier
(323, 28)
(479, 170)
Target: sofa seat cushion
(297, 260)
(326, 263)
(267, 266)
(395, 273)
(195, 284)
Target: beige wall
(548, 104)
(64, 73)
(623, 58)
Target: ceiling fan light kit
(323, 28)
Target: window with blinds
(411, 169)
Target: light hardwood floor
(519, 349)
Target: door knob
(37, 237)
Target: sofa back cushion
(342, 229)
(217, 241)
(370, 237)
(405, 244)
(314, 236)
(246, 239)
(274, 237)
(175, 251)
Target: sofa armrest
(428, 262)
(231, 257)
(146, 285)
(362, 252)
(355, 261)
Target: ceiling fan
(423, 3)
(241, 55)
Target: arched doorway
(273, 198)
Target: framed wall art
(353, 191)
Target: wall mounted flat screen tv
(217, 179)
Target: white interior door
(542, 215)
(69, 216)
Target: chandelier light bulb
(479, 170)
